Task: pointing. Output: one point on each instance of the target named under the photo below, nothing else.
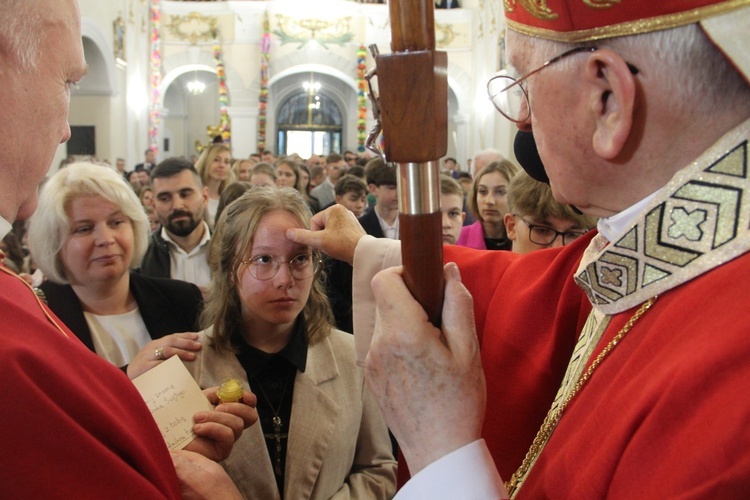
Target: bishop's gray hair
(20, 32)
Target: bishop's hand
(428, 383)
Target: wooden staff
(413, 102)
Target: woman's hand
(183, 345)
(218, 430)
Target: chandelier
(196, 87)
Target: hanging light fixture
(196, 86)
(311, 86)
(313, 99)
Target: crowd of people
(592, 333)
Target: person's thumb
(458, 313)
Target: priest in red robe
(616, 366)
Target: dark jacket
(338, 284)
(156, 263)
(166, 306)
(371, 224)
(339, 277)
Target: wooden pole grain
(413, 101)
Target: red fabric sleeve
(73, 425)
(528, 312)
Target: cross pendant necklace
(277, 435)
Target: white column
(488, 130)
(463, 122)
(244, 130)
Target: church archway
(309, 121)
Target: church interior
(288, 76)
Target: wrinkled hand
(183, 345)
(334, 231)
(218, 430)
(202, 478)
(429, 384)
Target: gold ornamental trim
(699, 220)
(637, 27)
(601, 4)
(537, 8)
(324, 31)
(194, 27)
(446, 35)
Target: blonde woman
(86, 236)
(242, 168)
(214, 166)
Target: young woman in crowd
(147, 197)
(287, 173)
(304, 174)
(242, 168)
(305, 188)
(488, 203)
(215, 169)
(263, 174)
(231, 193)
(269, 326)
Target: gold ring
(159, 353)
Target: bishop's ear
(510, 226)
(612, 91)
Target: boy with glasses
(535, 221)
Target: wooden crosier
(412, 109)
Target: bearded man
(179, 249)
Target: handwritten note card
(173, 398)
